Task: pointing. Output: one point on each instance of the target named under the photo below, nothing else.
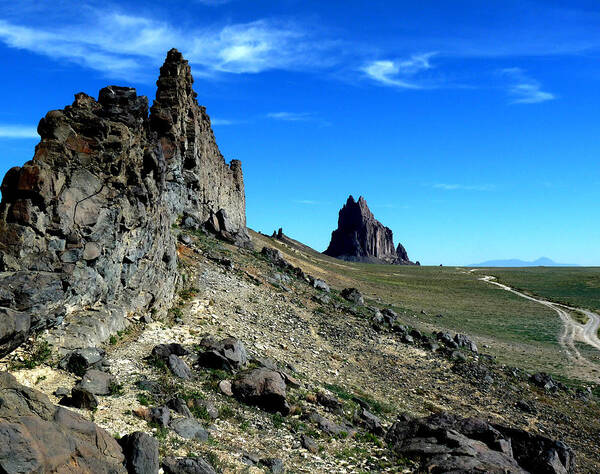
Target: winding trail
(572, 330)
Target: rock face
(448, 443)
(362, 238)
(87, 222)
(36, 436)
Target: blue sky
(470, 127)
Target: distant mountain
(514, 262)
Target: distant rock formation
(85, 226)
(362, 238)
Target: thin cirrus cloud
(398, 73)
(523, 89)
(18, 131)
(123, 45)
(291, 116)
(464, 187)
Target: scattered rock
(189, 428)
(262, 387)
(61, 392)
(353, 295)
(447, 443)
(320, 285)
(179, 405)
(178, 367)
(163, 351)
(526, 407)
(80, 360)
(184, 239)
(389, 316)
(141, 453)
(160, 416)
(82, 398)
(446, 339)
(322, 299)
(96, 382)
(463, 340)
(228, 354)
(309, 444)
(329, 401)
(274, 465)
(371, 422)
(195, 465)
(225, 387)
(544, 381)
(328, 426)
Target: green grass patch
(574, 286)
(41, 353)
(145, 399)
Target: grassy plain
(518, 332)
(575, 286)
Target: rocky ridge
(283, 375)
(85, 225)
(360, 237)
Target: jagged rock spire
(360, 237)
(87, 222)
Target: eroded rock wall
(85, 226)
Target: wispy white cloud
(217, 122)
(398, 73)
(291, 116)
(18, 131)
(298, 117)
(524, 89)
(122, 45)
(464, 187)
(308, 202)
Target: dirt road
(572, 330)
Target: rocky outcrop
(448, 443)
(85, 226)
(362, 238)
(36, 436)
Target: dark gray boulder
(160, 416)
(178, 367)
(96, 382)
(36, 436)
(141, 453)
(371, 422)
(189, 428)
(353, 295)
(228, 354)
(389, 316)
(264, 388)
(462, 340)
(448, 443)
(80, 398)
(80, 360)
(163, 351)
(196, 465)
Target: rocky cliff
(362, 238)
(85, 226)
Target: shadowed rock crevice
(85, 226)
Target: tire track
(572, 330)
